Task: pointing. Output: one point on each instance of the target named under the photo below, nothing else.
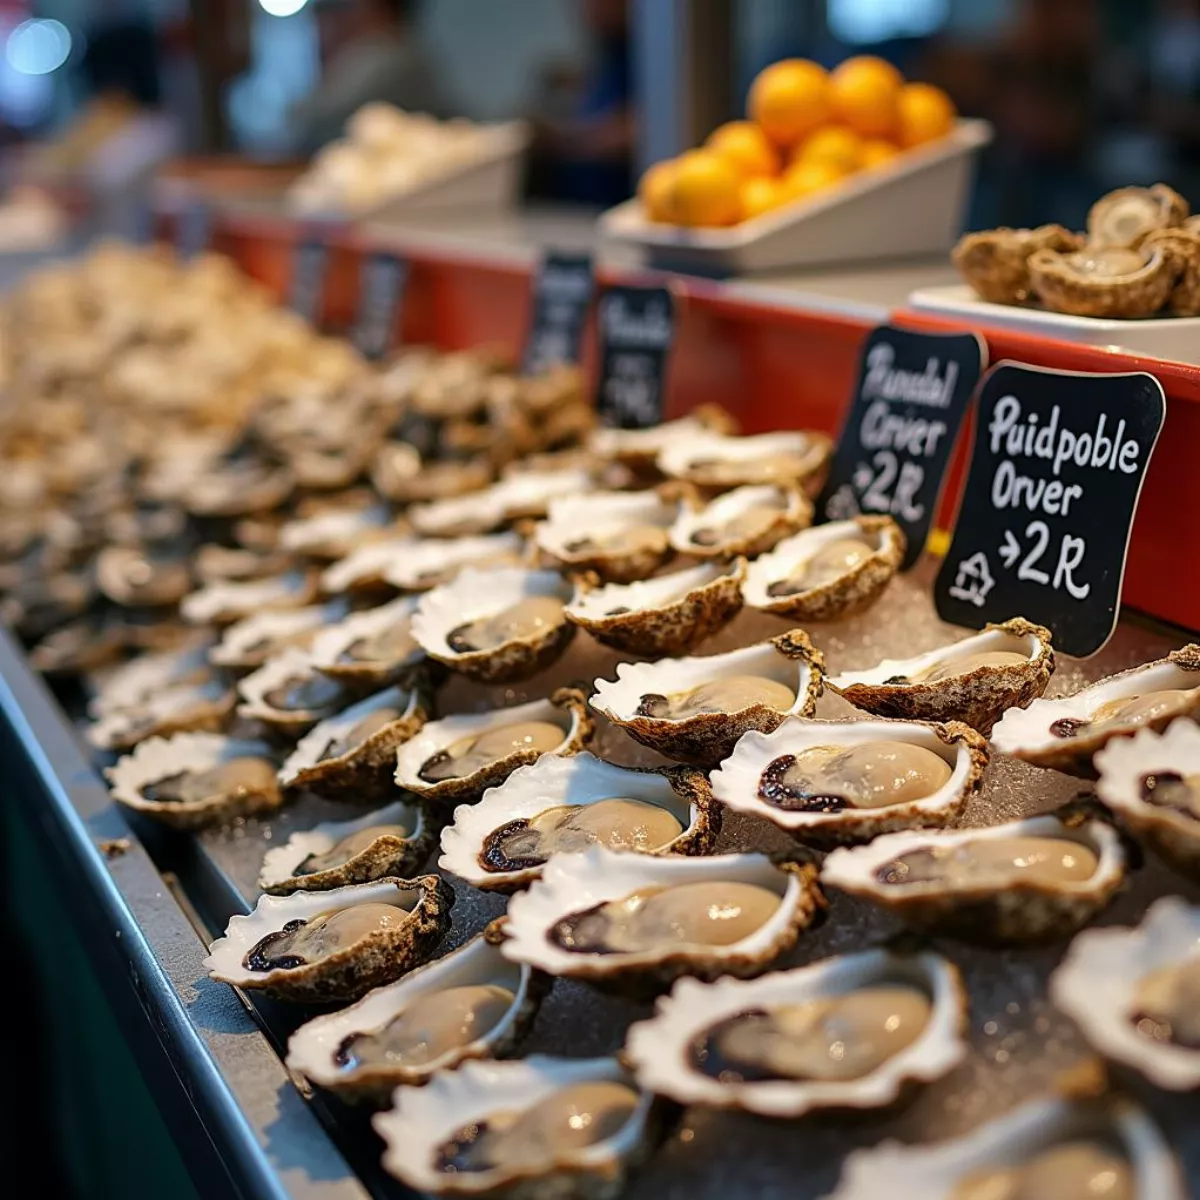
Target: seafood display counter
(502, 639)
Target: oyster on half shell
(391, 841)
(995, 262)
(827, 572)
(634, 923)
(541, 1126)
(1066, 733)
(192, 706)
(695, 709)
(563, 805)
(1042, 877)
(191, 780)
(1106, 281)
(372, 647)
(975, 680)
(460, 756)
(638, 449)
(322, 947)
(830, 782)
(223, 603)
(144, 576)
(289, 694)
(669, 614)
(471, 1003)
(430, 563)
(794, 458)
(748, 520)
(1128, 215)
(247, 644)
(845, 1032)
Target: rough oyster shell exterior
(1126, 216)
(1062, 283)
(995, 262)
(795, 513)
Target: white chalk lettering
(884, 381)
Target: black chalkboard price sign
(309, 262)
(636, 327)
(562, 294)
(912, 393)
(193, 229)
(380, 298)
(1043, 529)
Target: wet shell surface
(378, 948)
(133, 682)
(289, 693)
(374, 646)
(450, 615)
(828, 572)
(679, 799)
(1124, 989)
(667, 615)
(525, 495)
(352, 753)
(974, 680)
(182, 707)
(709, 460)
(748, 521)
(1044, 891)
(1066, 733)
(1152, 783)
(640, 448)
(224, 602)
(431, 563)
(545, 922)
(347, 1052)
(931, 790)
(622, 536)
(566, 710)
(714, 684)
(228, 779)
(332, 535)
(247, 644)
(365, 568)
(679, 1054)
(427, 1121)
(390, 841)
(940, 1172)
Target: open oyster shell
(566, 708)
(431, 563)
(665, 1051)
(372, 647)
(1100, 986)
(938, 1172)
(244, 793)
(579, 781)
(247, 644)
(425, 1119)
(965, 686)
(1150, 782)
(621, 536)
(232, 489)
(738, 782)
(399, 473)
(995, 262)
(334, 534)
(1125, 217)
(201, 706)
(1027, 907)
(372, 846)
(315, 1049)
(748, 521)
(475, 596)
(347, 972)
(1105, 281)
(352, 753)
(144, 576)
(640, 448)
(133, 682)
(667, 615)
(365, 568)
(226, 602)
(705, 738)
(1066, 733)
(793, 458)
(573, 884)
(511, 499)
(833, 593)
(289, 694)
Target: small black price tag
(636, 327)
(380, 298)
(562, 293)
(308, 279)
(912, 393)
(1043, 530)
(193, 229)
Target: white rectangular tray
(1176, 338)
(913, 205)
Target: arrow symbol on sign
(1010, 550)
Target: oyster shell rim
(796, 515)
(252, 689)
(814, 450)
(331, 639)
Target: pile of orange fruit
(806, 130)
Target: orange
(706, 190)
(877, 152)
(746, 146)
(864, 93)
(806, 178)
(655, 190)
(925, 113)
(789, 99)
(760, 195)
(834, 144)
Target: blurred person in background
(584, 119)
(369, 51)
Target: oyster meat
(472, 753)
(1105, 281)
(748, 520)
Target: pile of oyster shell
(385, 609)
(1139, 256)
